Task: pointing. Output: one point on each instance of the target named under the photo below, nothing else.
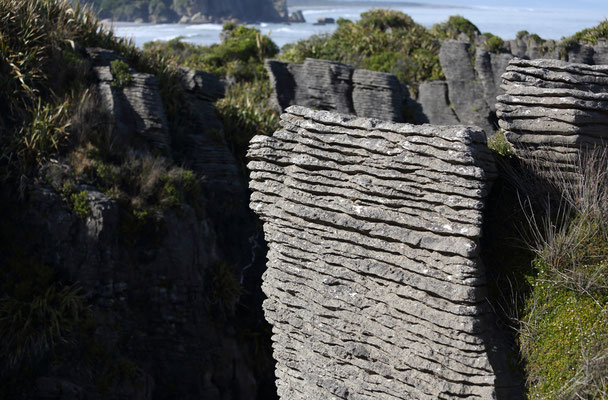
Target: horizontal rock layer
(474, 76)
(375, 289)
(332, 86)
(551, 109)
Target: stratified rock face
(551, 108)
(473, 86)
(377, 95)
(332, 86)
(135, 109)
(433, 98)
(375, 289)
(466, 93)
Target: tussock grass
(564, 328)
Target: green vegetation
(498, 143)
(454, 27)
(54, 131)
(564, 331)
(591, 35)
(146, 10)
(554, 290)
(245, 111)
(80, 204)
(494, 44)
(383, 40)
(121, 76)
(241, 53)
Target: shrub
(121, 76)
(592, 35)
(498, 143)
(80, 204)
(240, 54)
(494, 44)
(454, 26)
(45, 132)
(245, 112)
(383, 40)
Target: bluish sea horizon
(549, 19)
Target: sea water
(551, 19)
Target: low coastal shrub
(245, 112)
(454, 27)
(121, 76)
(241, 53)
(592, 35)
(382, 40)
(494, 44)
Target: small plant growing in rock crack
(80, 204)
(121, 76)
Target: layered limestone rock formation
(136, 110)
(332, 86)
(374, 283)
(551, 109)
(150, 280)
(474, 76)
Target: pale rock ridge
(551, 109)
(374, 283)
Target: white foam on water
(551, 19)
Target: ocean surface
(552, 19)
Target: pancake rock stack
(374, 283)
(137, 110)
(552, 109)
(333, 86)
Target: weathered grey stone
(328, 85)
(202, 84)
(465, 91)
(136, 109)
(283, 82)
(551, 109)
(433, 98)
(375, 287)
(377, 95)
(207, 151)
(489, 68)
(600, 52)
(297, 17)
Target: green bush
(121, 75)
(240, 54)
(592, 35)
(79, 204)
(498, 143)
(494, 44)
(454, 26)
(383, 40)
(245, 112)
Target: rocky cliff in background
(333, 86)
(374, 283)
(552, 109)
(473, 77)
(192, 11)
